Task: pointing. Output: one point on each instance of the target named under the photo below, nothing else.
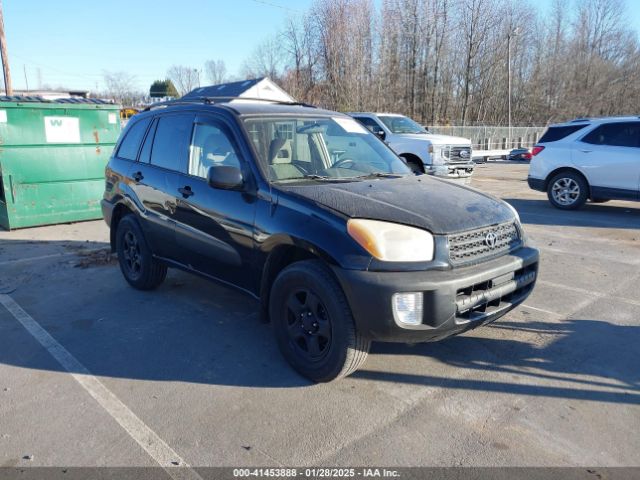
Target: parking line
(590, 293)
(53, 255)
(556, 314)
(162, 453)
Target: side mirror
(225, 177)
(380, 134)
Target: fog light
(407, 308)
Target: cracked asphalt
(554, 383)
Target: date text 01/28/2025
(316, 472)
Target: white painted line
(162, 453)
(590, 293)
(53, 255)
(556, 314)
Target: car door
(214, 227)
(163, 154)
(609, 156)
(152, 196)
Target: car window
(307, 148)
(131, 143)
(553, 134)
(210, 146)
(369, 123)
(145, 153)
(620, 134)
(399, 124)
(171, 142)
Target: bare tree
(216, 71)
(446, 61)
(266, 60)
(184, 78)
(120, 86)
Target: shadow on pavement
(195, 331)
(586, 360)
(540, 212)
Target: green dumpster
(52, 159)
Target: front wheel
(568, 191)
(313, 324)
(414, 165)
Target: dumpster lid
(38, 99)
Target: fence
(492, 137)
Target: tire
(313, 324)
(137, 264)
(568, 191)
(413, 165)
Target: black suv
(309, 212)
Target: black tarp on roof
(231, 89)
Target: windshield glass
(399, 124)
(308, 149)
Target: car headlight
(392, 242)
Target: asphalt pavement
(94, 373)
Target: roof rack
(214, 100)
(576, 120)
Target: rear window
(131, 143)
(619, 134)
(553, 134)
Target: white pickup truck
(423, 151)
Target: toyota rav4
(311, 214)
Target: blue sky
(71, 42)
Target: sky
(72, 42)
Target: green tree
(163, 88)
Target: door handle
(586, 151)
(186, 191)
(138, 177)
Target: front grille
(460, 154)
(482, 300)
(479, 245)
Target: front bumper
(451, 170)
(107, 211)
(454, 300)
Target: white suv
(596, 159)
(422, 151)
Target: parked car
(308, 212)
(519, 154)
(594, 159)
(423, 151)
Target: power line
(275, 5)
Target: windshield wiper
(381, 175)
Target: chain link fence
(492, 137)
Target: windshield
(398, 124)
(307, 149)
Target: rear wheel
(568, 191)
(137, 264)
(313, 323)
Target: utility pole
(509, 35)
(5, 60)
(26, 80)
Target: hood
(437, 139)
(426, 202)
